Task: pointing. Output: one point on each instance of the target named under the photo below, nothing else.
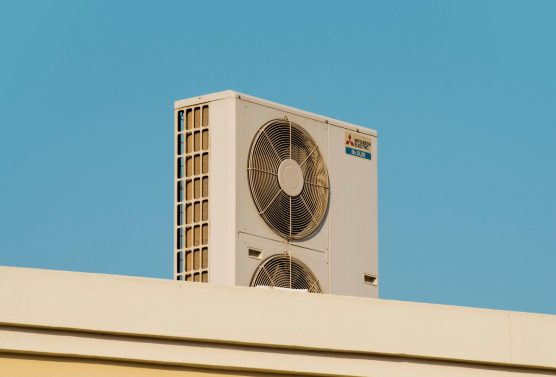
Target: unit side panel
(353, 217)
(203, 179)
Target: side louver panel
(191, 192)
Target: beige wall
(160, 322)
(33, 366)
(15, 365)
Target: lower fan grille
(285, 271)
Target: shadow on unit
(269, 195)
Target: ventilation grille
(288, 179)
(285, 271)
(192, 180)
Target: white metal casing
(341, 252)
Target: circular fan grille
(285, 272)
(288, 179)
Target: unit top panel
(231, 94)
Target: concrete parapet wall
(105, 317)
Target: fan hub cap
(290, 177)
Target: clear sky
(463, 95)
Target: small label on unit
(358, 145)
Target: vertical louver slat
(192, 191)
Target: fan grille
(285, 271)
(291, 216)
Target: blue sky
(463, 95)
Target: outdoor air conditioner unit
(268, 195)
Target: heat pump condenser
(268, 195)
